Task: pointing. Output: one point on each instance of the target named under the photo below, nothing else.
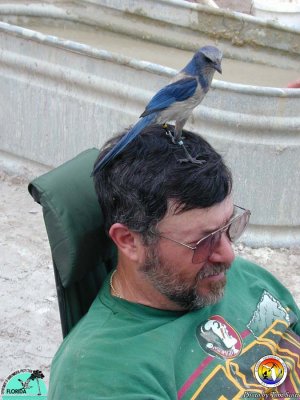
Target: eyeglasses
(233, 229)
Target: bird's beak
(218, 67)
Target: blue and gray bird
(174, 102)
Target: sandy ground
(29, 319)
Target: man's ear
(128, 242)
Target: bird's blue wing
(123, 142)
(176, 91)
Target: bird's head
(209, 56)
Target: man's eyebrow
(209, 231)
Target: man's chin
(210, 292)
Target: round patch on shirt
(270, 371)
(218, 338)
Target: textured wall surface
(59, 98)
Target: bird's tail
(123, 142)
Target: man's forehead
(204, 219)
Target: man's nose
(223, 252)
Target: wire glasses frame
(233, 229)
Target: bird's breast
(181, 110)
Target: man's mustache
(211, 270)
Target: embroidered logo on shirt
(218, 338)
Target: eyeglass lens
(234, 231)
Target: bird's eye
(208, 60)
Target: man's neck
(132, 285)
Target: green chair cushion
(80, 249)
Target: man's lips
(215, 277)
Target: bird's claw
(175, 139)
(179, 142)
(169, 133)
(189, 158)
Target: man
(178, 318)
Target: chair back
(82, 253)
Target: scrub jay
(175, 102)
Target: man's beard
(174, 286)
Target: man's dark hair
(137, 186)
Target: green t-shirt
(122, 350)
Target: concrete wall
(59, 98)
